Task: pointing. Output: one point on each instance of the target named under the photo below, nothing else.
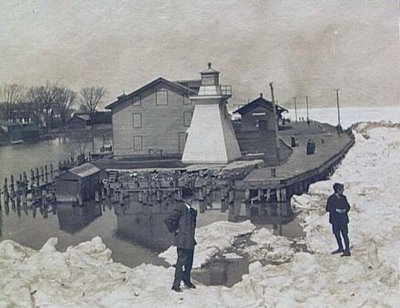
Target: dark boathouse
(258, 115)
(79, 183)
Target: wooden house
(258, 115)
(256, 130)
(152, 121)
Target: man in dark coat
(185, 216)
(338, 207)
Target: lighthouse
(210, 137)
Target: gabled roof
(174, 85)
(97, 117)
(259, 102)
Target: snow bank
(86, 276)
(212, 240)
(268, 247)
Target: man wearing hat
(185, 217)
(338, 207)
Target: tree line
(50, 105)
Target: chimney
(209, 64)
(261, 95)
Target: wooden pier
(274, 186)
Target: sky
(305, 47)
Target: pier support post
(231, 213)
(231, 196)
(248, 209)
(261, 209)
(301, 188)
(96, 196)
(284, 194)
(32, 179)
(269, 210)
(12, 188)
(51, 172)
(223, 204)
(46, 174)
(42, 173)
(268, 194)
(80, 200)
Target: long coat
(338, 202)
(186, 218)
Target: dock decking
(330, 149)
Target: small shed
(258, 115)
(78, 183)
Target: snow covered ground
(86, 276)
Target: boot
(176, 289)
(346, 253)
(339, 250)
(190, 285)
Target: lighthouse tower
(211, 138)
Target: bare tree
(64, 99)
(91, 97)
(46, 102)
(41, 100)
(10, 95)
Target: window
(162, 98)
(187, 118)
(136, 120)
(136, 101)
(209, 80)
(137, 143)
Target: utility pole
(338, 107)
(295, 108)
(307, 108)
(278, 158)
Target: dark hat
(337, 187)
(186, 193)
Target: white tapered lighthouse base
(211, 138)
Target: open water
(134, 237)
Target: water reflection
(73, 218)
(132, 226)
(225, 272)
(144, 224)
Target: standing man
(338, 207)
(185, 217)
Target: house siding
(249, 121)
(160, 124)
